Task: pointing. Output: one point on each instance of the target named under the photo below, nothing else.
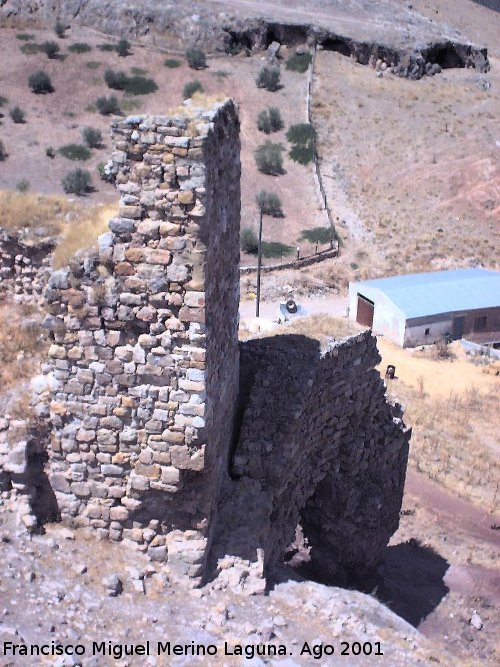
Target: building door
(458, 327)
(364, 314)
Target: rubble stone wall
(24, 264)
(319, 445)
(160, 437)
(144, 359)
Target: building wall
(387, 319)
(443, 323)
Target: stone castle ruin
(163, 431)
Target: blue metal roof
(421, 294)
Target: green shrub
(269, 158)
(299, 62)
(302, 136)
(106, 47)
(3, 100)
(75, 152)
(30, 49)
(92, 137)
(196, 58)
(123, 48)
(270, 120)
(60, 29)
(93, 64)
(138, 85)
(302, 133)
(172, 63)
(221, 74)
(275, 118)
(269, 203)
(275, 249)
(3, 152)
(23, 185)
(24, 36)
(191, 88)
(51, 49)
(138, 71)
(302, 154)
(264, 122)
(108, 105)
(50, 152)
(269, 78)
(77, 182)
(17, 115)
(79, 47)
(40, 83)
(320, 235)
(115, 79)
(249, 242)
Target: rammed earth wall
(159, 435)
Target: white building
(419, 308)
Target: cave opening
(338, 45)
(288, 35)
(445, 55)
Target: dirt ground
(440, 378)
(56, 119)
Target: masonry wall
(318, 445)
(144, 360)
(24, 264)
(167, 435)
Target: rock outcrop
(363, 30)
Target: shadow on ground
(409, 580)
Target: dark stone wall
(319, 445)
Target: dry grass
(319, 327)
(32, 210)
(82, 233)
(454, 439)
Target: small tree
(40, 83)
(269, 203)
(17, 115)
(249, 241)
(76, 182)
(299, 62)
(196, 58)
(191, 88)
(108, 105)
(270, 120)
(269, 78)
(60, 29)
(275, 118)
(302, 133)
(92, 137)
(264, 122)
(115, 79)
(319, 235)
(123, 47)
(3, 152)
(269, 158)
(51, 49)
(302, 136)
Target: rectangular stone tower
(144, 361)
